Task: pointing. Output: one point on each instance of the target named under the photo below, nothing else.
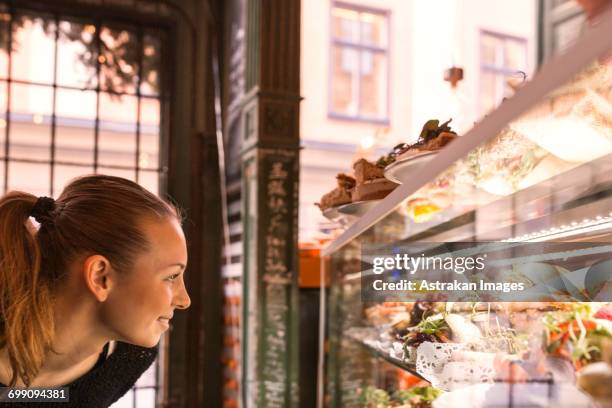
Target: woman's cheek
(168, 291)
(160, 297)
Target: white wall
(315, 124)
(454, 39)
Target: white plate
(533, 395)
(403, 169)
(358, 208)
(331, 213)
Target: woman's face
(140, 305)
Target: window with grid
(80, 96)
(502, 58)
(359, 61)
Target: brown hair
(95, 214)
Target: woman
(86, 296)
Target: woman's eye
(173, 277)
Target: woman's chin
(148, 341)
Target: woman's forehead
(167, 238)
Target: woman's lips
(164, 322)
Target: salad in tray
(577, 335)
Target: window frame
(359, 47)
(55, 15)
(497, 70)
(550, 17)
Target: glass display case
(530, 186)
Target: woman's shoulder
(115, 374)
(123, 361)
(114, 377)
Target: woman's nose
(182, 300)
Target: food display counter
(524, 201)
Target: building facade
(372, 75)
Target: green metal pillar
(270, 171)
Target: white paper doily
(435, 363)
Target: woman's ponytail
(26, 313)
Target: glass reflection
(33, 33)
(77, 55)
(151, 64)
(119, 60)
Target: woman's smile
(164, 322)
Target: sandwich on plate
(371, 183)
(339, 195)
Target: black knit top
(106, 382)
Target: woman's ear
(98, 275)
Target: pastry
(339, 195)
(370, 182)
